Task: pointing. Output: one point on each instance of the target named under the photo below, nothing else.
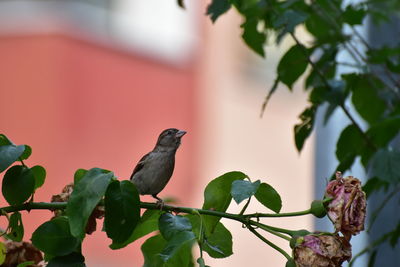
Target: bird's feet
(159, 203)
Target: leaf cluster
(60, 238)
(369, 82)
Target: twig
(280, 250)
(371, 246)
(375, 213)
(367, 45)
(326, 83)
(287, 214)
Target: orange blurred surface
(83, 105)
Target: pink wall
(80, 105)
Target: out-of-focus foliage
(370, 83)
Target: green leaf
(298, 233)
(345, 164)
(195, 221)
(325, 65)
(381, 133)
(248, 7)
(18, 184)
(47, 257)
(243, 189)
(79, 175)
(217, 8)
(217, 196)
(303, 130)
(27, 152)
(4, 140)
(74, 259)
(153, 248)
(269, 95)
(292, 65)
(374, 184)
(385, 165)
(54, 237)
(40, 175)
(365, 97)
(182, 240)
(177, 231)
(9, 154)
(3, 252)
(349, 144)
(394, 239)
(323, 32)
(268, 196)
(171, 225)
(252, 37)
(289, 20)
(148, 223)
(122, 210)
(335, 93)
(16, 227)
(27, 263)
(85, 197)
(219, 243)
(383, 54)
(328, 113)
(353, 16)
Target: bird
(154, 170)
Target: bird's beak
(180, 133)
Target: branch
(242, 218)
(280, 250)
(245, 219)
(154, 206)
(388, 73)
(375, 213)
(271, 215)
(35, 206)
(353, 51)
(274, 230)
(373, 245)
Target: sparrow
(154, 169)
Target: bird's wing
(140, 164)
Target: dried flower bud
(322, 250)
(347, 210)
(97, 213)
(19, 252)
(62, 197)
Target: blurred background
(92, 83)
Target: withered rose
(321, 250)
(19, 252)
(347, 210)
